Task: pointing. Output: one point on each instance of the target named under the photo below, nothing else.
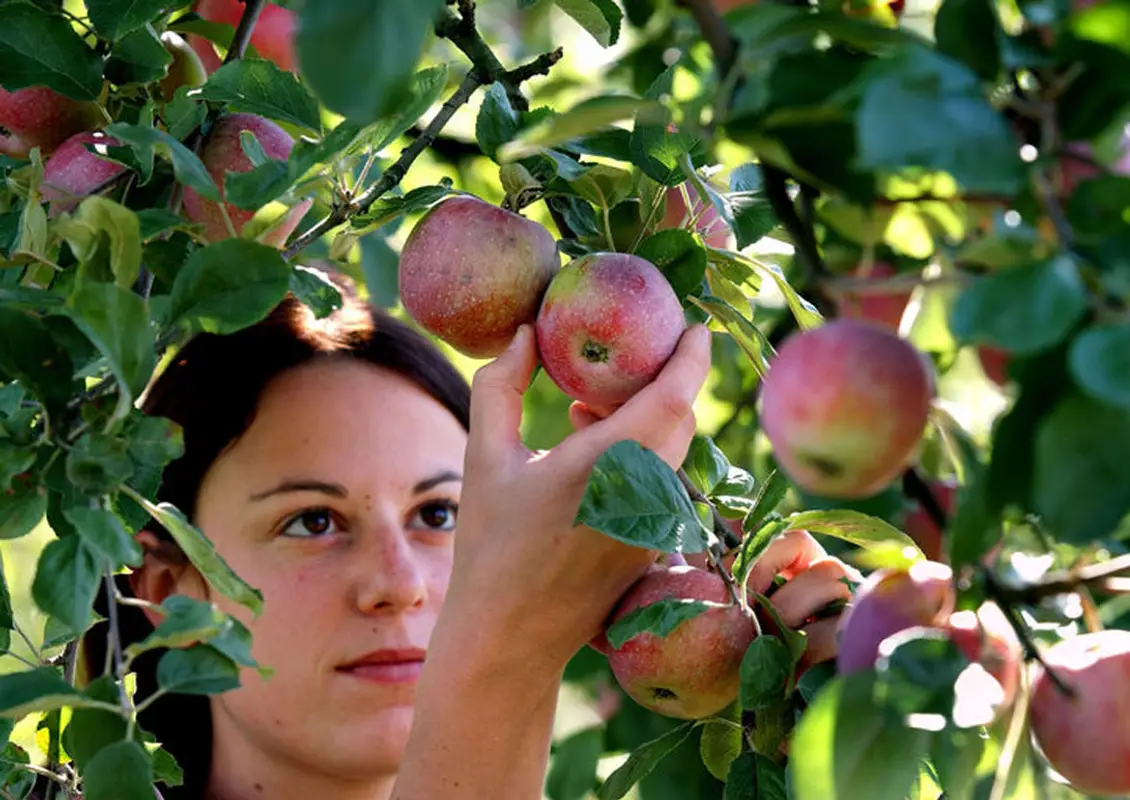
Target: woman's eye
(315, 522)
(439, 515)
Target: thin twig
(916, 488)
(115, 645)
(393, 175)
(1063, 582)
(242, 37)
(460, 31)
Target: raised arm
(529, 588)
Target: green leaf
(795, 642)
(641, 762)
(116, 321)
(99, 224)
(918, 675)
(1081, 483)
(37, 361)
(572, 772)
(258, 86)
(184, 113)
(203, 555)
(209, 295)
(92, 729)
(705, 464)
(603, 185)
(752, 342)
(199, 669)
(186, 621)
(751, 216)
(66, 580)
(21, 509)
(633, 496)
(387, 209)
(114, 18)
(601, 18)
(497, 123)
(660, 618)
(138, 58)
(846, 747)
(105, 535)
(680, 256)
(258, 186)
(166, 770)
(41, 689)
(856, 527)
(955, 755)
(968, 30)
(1099, 361)
(921, 109)
(423, 91)
(720, 744)
(40, 48)
(122, 771)
(588, 116)
(770, 494)
(146, 141)
(1022, 309)
(754, 545)
(656, 150)
(154, 441)
(314, 289)
(359, 58)
(97, 463)
(806, 314)
(57, 633)
(155, 221)
(765, 672)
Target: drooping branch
(394, 174)
(716, 34)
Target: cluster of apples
(68, 132)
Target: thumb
(496, 399)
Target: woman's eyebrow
(435, 480)
(303, 485)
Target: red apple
(890, 601)
(986, 638)
(272, 37)
(40, 117)
(72, 172)
(607, 325)
(222, 153)
(1086, 738)
(471, 273)
(884, 307)
(844, 405)
(694, 671)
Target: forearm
(479, 732)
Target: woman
(328, 461)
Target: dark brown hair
(211, 389)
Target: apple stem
(1001, 595)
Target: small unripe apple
(694, 671)
(223, 153)
(1086, 738)
(471, 273)
(883, 307)
(187, 68)
(607, 325)
(73, 172)
(994, 363)
(844, 405)
(36, 116)
(890, 601)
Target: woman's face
(339, 504)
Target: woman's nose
(390, 574)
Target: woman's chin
(376, 741)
